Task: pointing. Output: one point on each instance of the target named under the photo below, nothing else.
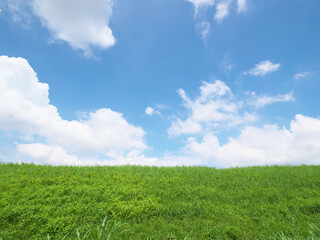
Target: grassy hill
(40, 202)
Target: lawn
(41, 202)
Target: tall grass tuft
(314, 234)
(108, 230)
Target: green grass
(41, 202)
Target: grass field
(41, 202)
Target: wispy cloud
(227, 64)
(20, 12)
(263, 100)
(302, 75)
(198, 4)
(204, 28)
(263, 68)
(222, 10)
(242, 5)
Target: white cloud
(263, 68)
(269, 145)
(204, 28)
(301, 75)
(179, 127)
(81, 23)
(227, 64)
(242, 5)
(215, 107)
(46, 154)
(55, 155)
(263, 100)
(25, 108)
(104, 137)
(149, 111)
(222, 10)
(222, 6)
(19, 10)
(198, 4)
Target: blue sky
(218, 83)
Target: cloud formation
(204, 28)
(269, 145)
(263, 100)
(255, 146)
(298, 76)
(149, 111)
(242, 5)
(82, 24)
(217, 108)
(263, 68)
(222, 10)
(104, 137)
(25, 107)
(201, 4)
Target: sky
(218, 83)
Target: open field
(159, 203)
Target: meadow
(46, 202)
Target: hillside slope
(160, 203)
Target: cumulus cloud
(25, 107)
(269, 145)
(254, 146)
(104, 137)
(218, 108)
(53, 155)
(179, 127)
(215, 107)
(263, 68)
(149, 111)
(82, 24)
(56, 155)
